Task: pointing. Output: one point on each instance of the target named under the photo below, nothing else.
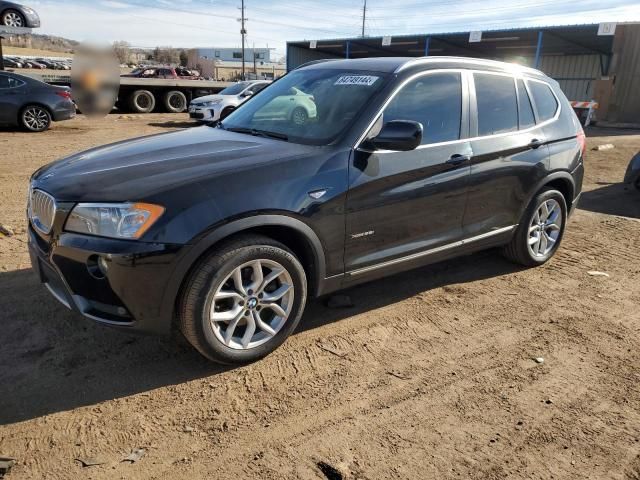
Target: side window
(435, 101)
(497, 104)
(525, 111)
(546, 103)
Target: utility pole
(243, 32)
(255, 69)
(364, 16)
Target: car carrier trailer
(145, 95)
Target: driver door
(403, 204)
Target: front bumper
(205, 114)
(129, 295)
(32, 20)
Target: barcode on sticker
(367, 80)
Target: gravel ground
(430, 375)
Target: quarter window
(497, 104)
(9, 82)
(433, 100)
(525, 111)
(546, 103)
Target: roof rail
(313, 62)
(472, 61)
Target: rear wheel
(35, 118)
(540, 231)
(142, 101)
(175, 102)
(244, 300)
(13, 18)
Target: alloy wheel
(299, 116)
(35, 118)
(545, 228)
(13, 19)
(252, 304)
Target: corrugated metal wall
(575, 73)
(296, 56)
(625, 100)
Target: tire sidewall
(143, 93)
(299, 109)
(167, 101)
(27, 127)
(524, 227)
(219, 351)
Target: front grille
(42, 209)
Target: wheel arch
(293, 233)
(561, 181)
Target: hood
(136, 169)
(208, 98)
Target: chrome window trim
(20, 83)
(431, 251)
(471, 84)
(533, 100)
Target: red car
(163, 72)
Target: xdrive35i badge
(362, 234)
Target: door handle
(458, 158)
(535, 143)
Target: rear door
(11, 98)
(403, 203)
(510, 153)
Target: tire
(299, 116)
(13, 18)
(215, 276)
(142, 101)
(175, 101)
(35, 118)
(524, 248)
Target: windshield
(308, 106)
(235, 89)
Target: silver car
(212, 108)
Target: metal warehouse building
(591, 62)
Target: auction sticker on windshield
(367, 80)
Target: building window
(259, 56)
(237, 54)
(217, 53)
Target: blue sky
(191, 23)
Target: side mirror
(399, 135)
(248, 93)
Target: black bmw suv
(340, 172)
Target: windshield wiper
(258, 133)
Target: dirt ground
(429, 376)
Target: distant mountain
(41, 42)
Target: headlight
(211, 103)
(115, 220)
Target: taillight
(582, 141)
(64, 94)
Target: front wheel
(540, 231)
(243, 301)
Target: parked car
(10, 63)
(16, 15)
(224, 232)
(33, 104)
(632, 175)
(211, 108)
